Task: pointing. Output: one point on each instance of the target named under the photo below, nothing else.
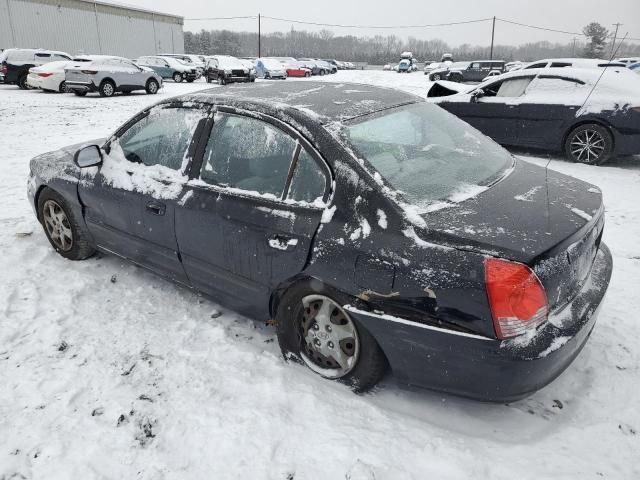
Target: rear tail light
(89, 72)
(45, 75)
(4, 69)
(517, 298)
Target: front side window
(248, 154)
(510, 88)
(427, 154)
(162, 137)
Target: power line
(391, 27)
(428, 25)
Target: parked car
(253, 74)
(546, 109)
(573, 62)
(334, 64)
(329, 67)
(442, 73)
(270, 68)
(108, 75)
(475, 71)
(492, 300)
(170, 67)
(195, 61)
(315, 67)
(50, 77)
(296, 69)
(16, 62)
(431, 66)
(226, 69)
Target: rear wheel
(152, 86)
(591, 144)
(63, 87)
(307, 74)
(177, 77)
(436, 77)
(107, 89)
(66, 235)
(315, 329)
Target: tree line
(380, 49)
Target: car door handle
(156, 208)
(282, 242)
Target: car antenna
(613, 54)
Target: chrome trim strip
(391, 318)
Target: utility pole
(615, 36)
(493, 33)
(573, 50)
(259, 39)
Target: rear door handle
(282, 242)
(156, 208)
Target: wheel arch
(108, 79)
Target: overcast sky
(570, 15)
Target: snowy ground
(107, 371)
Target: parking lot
(107, 368)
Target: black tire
(371, 364)
(190, 80)
(81, 246)
(107, 88)
(22, 82)
(597, 141)
(307, 74)
(321, 73)
(152, 86)
(435, 77)
(267, 76)
(177, 77)
(222, 80)
(209, 79)
(63, 87)
(80, 93)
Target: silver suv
(108, 75)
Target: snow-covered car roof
(578, 62)
(329, 102)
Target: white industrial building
(81, 26)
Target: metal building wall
(77, 26)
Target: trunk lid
(547, 220)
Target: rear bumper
(82, 86)
(484, 368)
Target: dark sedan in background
(591, 115)
(376, 229)
(225, 69)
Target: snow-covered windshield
(428, 154)
(229, 62)
(272, 64)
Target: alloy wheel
(587, 146)
(108, 89)
(57, 225)
(153, 87)
(330, 343)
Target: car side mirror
(88, 156)
(476, 95)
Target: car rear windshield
(427, 154)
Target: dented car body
(412, 232)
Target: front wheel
(152, 86)
(177, 77)
(221, 81)
(66, 235)
(314, 328)
(436, 77)
(307, 74)
(591, 144)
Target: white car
(50, 77)
(573, 62)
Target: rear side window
(536, 65)
(554, 84)
(513, 87)
(560, 65)
(56, 57)
(248, 154)
(308, 183)
(20, 56)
